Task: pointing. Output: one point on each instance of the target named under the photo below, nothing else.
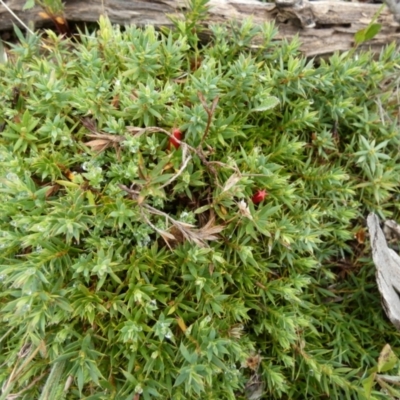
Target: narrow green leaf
(372, 31)
(185, 353)
(28, 5)
(267, 104)
(359, 36)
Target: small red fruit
(259, 196)
(176, 134)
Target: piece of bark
(323, 26)
(387, 263)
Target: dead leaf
(236, 331)
(387, 359)
(115, 101)
(231, 182)
(203, 101)
(60, 20)
(44, 15)
(223, 210)
(244, 209)
(214, 105)
(98, 145)
(209, 231)
(102, 142)
(387, 263)
(195, 63)
(253, 362)
(254, 388)
(260, 285)
(52, 190)
(181, 231)
(360, 235)
(181, 324)
(135, 130)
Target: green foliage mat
(136, 266)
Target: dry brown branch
(210, 113)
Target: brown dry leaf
(89, 124)
(115, 101)
(183, 231)
(198, 236)
(60, 20)
(260, 285)
(44, 15)
(209, 231)
(98, 145)
(52, 190)
(69, 174)
(203, 101)
(180, 80)
(134, 95)
(360, 235)
(166, 236)
(214, 104)
(102, 142)
(253, 362)
(236, 331)
(178, 237)
(195, 63)
(135, 130)
(167, 167)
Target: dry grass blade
(231, 182)
(102, 142)
(90, 125)
(198, 236)
(187, 231)
(98, 145)
(185, 161)
(135, 130)
(209, 231)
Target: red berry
(176, 133)
(259, 196)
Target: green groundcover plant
(182, 220)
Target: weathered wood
(387, 263)
(323, 26)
